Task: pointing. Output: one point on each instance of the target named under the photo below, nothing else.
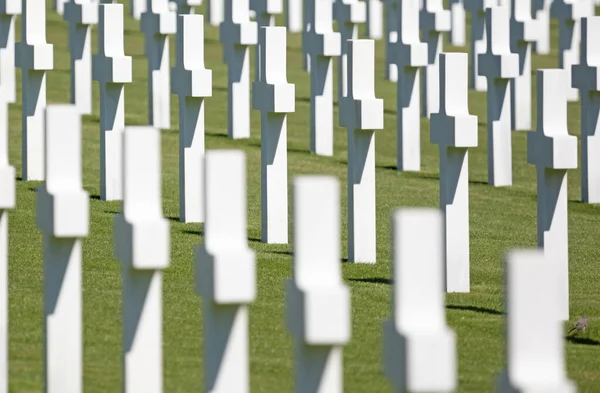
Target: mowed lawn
(501, 219)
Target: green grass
(501, 218)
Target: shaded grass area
(501, 219)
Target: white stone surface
(454, 130)
(535, 353)
(391, 38)
(137, 8)
(584, 77)
(524, 31)
(348, 13)
(410, 55)
(192, 82)
(293, 16)
(499, 65)
(236, 34)
(363, 114)
(317, 302)
(553, 151)
(7, 203)
(435, 20)
(374, 19)
(308, 26)
(216, 11)
(63, 216)
(419, 349)
(81, 15)
(225, 274)
(569, 13)
(265, 11)
(274, 97)
(112, 69)
(324, 44)
(478, 40)
(142, 246)
(59, 6)
(458, 23)
(158, 22)
(34, 56)
(541, 12)
(9, 9)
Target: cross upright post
(457, 23)
(374, 19)
(216, 11)
(499, 65)
(478, 41)
(112, 69)
(417, 328)
(9, 9)
(137, 8)
(585, 77)
(293, 15)
(553, 151)
(363, 114)
(349, 13)
(569, 14)
(308, 16)
(63, 216)
(59, 6)
(410, 56)
(454, 130)
(142, 245)
(391, 38)
(533, 329)
(157, 22)
(317, 301)
(325, 44)
(524, 31)
(265, 11)
(541, 12)
(34, 56)
(237, 33)
(81, 15)
(435, 20)
(274, 97)
(192, 82)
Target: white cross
(265, 16)
(9, 9)
(553, 151)
(478, 40)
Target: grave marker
(63, 215)
(419, 349)
(157, 22)
(308, 16)
(499, 65)
(265, 11)
(274, 97)
(455, 130)
(458, 28)
(391, 39)
(349, 13)
(216, 11)
(293, 16)
(81, 15)
(541, 13)
(524, 31)
(34, 56)
(363, 114)
(192, 82)
(435, 20)
(317, 301)
(9, 9)
(410, 55)
(142, 246)
(186, 6)
(569, 13)
(7, 203)
(324, 45)
(553, 151)
(137, 8)
(112, 69)
(375, 19)
(535, 351)
(59, 6)
(225, 274)
(478, 40)
(236, 33)
(584, 77)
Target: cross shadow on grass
(372, 280)
(582, 340)
(483, 310)
(425, 175)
